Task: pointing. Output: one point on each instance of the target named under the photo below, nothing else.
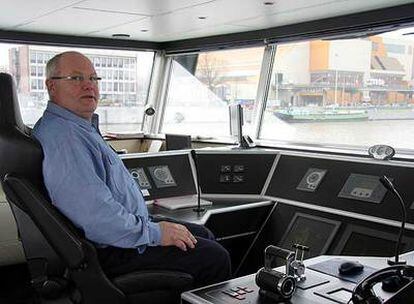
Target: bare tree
(209, 71)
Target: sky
(4, 54)
(399, 34)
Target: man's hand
(173, 234)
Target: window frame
(262, 79)
(352, 25)
(37, 59)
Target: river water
(395, 127)
(390, 126)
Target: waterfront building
(118, 70)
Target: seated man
(90, 185)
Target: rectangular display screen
(366, 188)
(315, 232)
(162, 176)
(138, 174)
(311, 180)
(358, 240)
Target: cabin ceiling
(169, 20)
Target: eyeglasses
(78, 79)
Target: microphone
(386, 182)
(194, 157)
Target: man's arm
(75, 177)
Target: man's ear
(50, 84)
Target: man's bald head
(70, 83)
(53, 63)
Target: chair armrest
(57, 230)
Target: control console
(324, 284)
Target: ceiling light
(202, 17)
(144, 30)
(268, 2)
(121, 35)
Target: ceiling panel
(15, 12)
(131, 28)
(215, 30)
(231, 16)
(217, 13)
(152, 7)
(135, 31)
(185, 22)
(72, 21)
(167, 20)
(288, 11)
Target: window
(32, 92)
(356, 92)
(202, 86)
(395, 48)
(33, 84)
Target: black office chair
(62, 263)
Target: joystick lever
(272, 252)
(273, 284)
(296, 267)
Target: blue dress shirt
(89, 183)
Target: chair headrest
(19, 153)
(9, 104)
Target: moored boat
(321, 115)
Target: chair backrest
(22, 155)
(43, 230)
(19, 153)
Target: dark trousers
(208, 262)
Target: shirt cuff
(154, 234)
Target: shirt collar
(68, 115)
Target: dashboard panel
(161, 175)
(231, 172)
(344, 182)
(345, 189)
